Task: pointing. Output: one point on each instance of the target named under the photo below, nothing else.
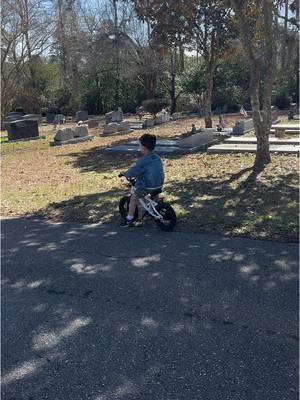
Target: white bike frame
(149, 205)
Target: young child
(149, 174)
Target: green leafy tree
(256, 21)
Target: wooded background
(98, 55)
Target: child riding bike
(148, 172)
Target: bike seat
(155, 192)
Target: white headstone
(81, 131)
(124, 126)
(64, 134)
(110, 128)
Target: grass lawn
(210, 193)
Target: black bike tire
(172, 215)
(124, 206)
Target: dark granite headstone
(82, 116)
(50, 117)
(23, 129)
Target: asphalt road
(96, 312)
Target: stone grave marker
(93, 123)
(71, 136)
(50, 117)
(124, 126)
(148, 123)
(242, 127)
(59, 119)
(82, 116)
(200, 140)
(161, 119)
(64, 134)
(81, 131)
(114, 116)
(23, 129)
(110, 128)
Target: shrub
(282, 100)
(153, 106)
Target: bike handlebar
(130, 180)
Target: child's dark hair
(148, 141)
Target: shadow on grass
(95, 207)
(97, 159)
(265, 208)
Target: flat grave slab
(159, 142)
(252, 140)
(197, 142)
(251, 148)
(72, 141)
(136, 125)
(286, 126)
(127, 148)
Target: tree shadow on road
(110, 314)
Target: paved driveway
(96, 312)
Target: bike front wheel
(124, 207)
(169, 219)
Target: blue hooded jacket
(148, 171)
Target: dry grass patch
(211, 193)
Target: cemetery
(70, 125)
(150, 199)
(189, 150)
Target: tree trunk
(208, 96)
(172, 92)
(261, 62)
(117, 61)
(261, 122)
(285, 35)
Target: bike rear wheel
(124, 207)
(168, 222)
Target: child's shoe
(127, 224)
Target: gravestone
(148, 123)
(161, 119)
(64, 134)
(82, 116)
(23, 129)
(242, 127)
(81, 131)
(50, 117)
(59, 119)
(109, 117)
(124, 126)
(200, 140)
(93, 123)
(114, 116)
(175, 116)
(110, 128)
